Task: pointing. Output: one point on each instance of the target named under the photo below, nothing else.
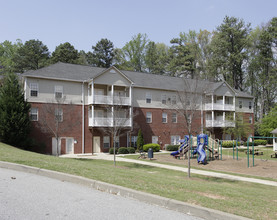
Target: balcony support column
(212, 118)
(92, 114)
(212, 101)
(224, 124)
(223, 102)
(92, 91)
(112, 94)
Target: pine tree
(14, 113)
(140, 141)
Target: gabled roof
(66, 71)
(80, 73)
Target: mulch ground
(262, 168)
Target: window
(148, 117)
(174, 117)
(90, 111)
(58, 92)
(163, 98)
(34, 89)
(240, 104)
(148, 97)
(34, 114)
(250, 120)
(175, 139)
(59, 114)
(134, 141)
(173, 100)
(250, 105)
(164, 117)
(106, 142)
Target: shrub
(140, 141)
(131, 150)
(111, 150)
(229, 144)
(256, 142)
(172, 147)
(123, 150)
(155, 147)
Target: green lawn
(246, 199)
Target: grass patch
(246, 199)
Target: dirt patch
(262, 168)
(212, 196)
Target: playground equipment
(183, 148)
(249, 151)
(202, 141)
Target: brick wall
(71, 126)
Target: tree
(14, 112)
(156, 58)
(103, 53)
(189, 106)
(229, 51)
(140, 141)
(269, 123)
(31, 56)
(65, 53)
(239, 128)
(134, 52)
(7, 52)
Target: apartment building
(77, 108)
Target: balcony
(108, 122)
(219, 107)
(109, 100)
(219, 123)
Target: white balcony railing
(108, 122)
(220, 107)
(219, 123)
(109, 100)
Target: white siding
(71, 90)
(245, 105)
(112, 78)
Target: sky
(85, 22)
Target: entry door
(69, 145)
(154, 139)
(96, 144)
(54, 146)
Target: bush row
(123, 150)
(172, 147)
(229, 144)
(131, 150)
(256, 142)
(155, 147)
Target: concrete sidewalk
(105, 156)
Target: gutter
(83, 118)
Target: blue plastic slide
(202, 140)
(184, 145)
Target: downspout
(83, 118)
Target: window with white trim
(58, 92)
(164, 117)
(148, 117)
(59, 114)
(173, 99)
(250, 105)
(34, 89)
(106, 141)
(240, 104)
(148, 97)
(174, 117)
(163, 98)
(250, 120)
(34, 114)
(133, 140)
(175, 139)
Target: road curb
(171, 204)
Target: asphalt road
(29, 196)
